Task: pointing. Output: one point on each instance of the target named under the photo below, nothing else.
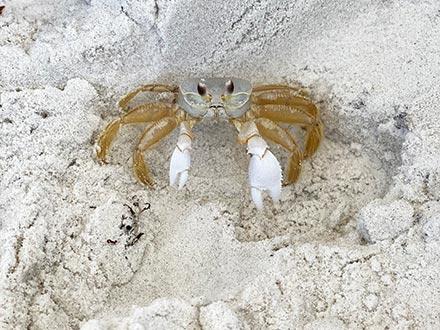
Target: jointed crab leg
(292, 101)
(301, 112)
(271, 131)
(292, 90)
(281, 113)
(141, 114)
(152, 134)
(313, 138)
(158, 88)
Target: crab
(259, 113)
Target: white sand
(354, 244)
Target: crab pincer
(181, 158)
(264, 171)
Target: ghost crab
(258, 113)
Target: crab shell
(216, 100)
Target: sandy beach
(354, 244)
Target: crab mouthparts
(216, 110)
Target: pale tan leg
(142, 114)
(153, 134)
(292, 90)
(282, 113)
(283, 137)
(280, 107)
(315, 133)
(285, 99)
(106, 138)
(157, 88)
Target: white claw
(180, 162)
(183, 178)
(264, 172)
(257, 197)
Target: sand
(354, 244)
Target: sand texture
(355, 244)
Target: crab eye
(201, 89)
(229, 86)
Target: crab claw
(180, 162)
(264, 172)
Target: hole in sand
(334, 184)
(193, 232)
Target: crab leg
(141, 114)
(264, 168)
(285, 100)
(158, 88)
(152, 134)
(287, 113)
(282, 113)
(292, 90)
(181, 158)
(271, 131)
(314, 136)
